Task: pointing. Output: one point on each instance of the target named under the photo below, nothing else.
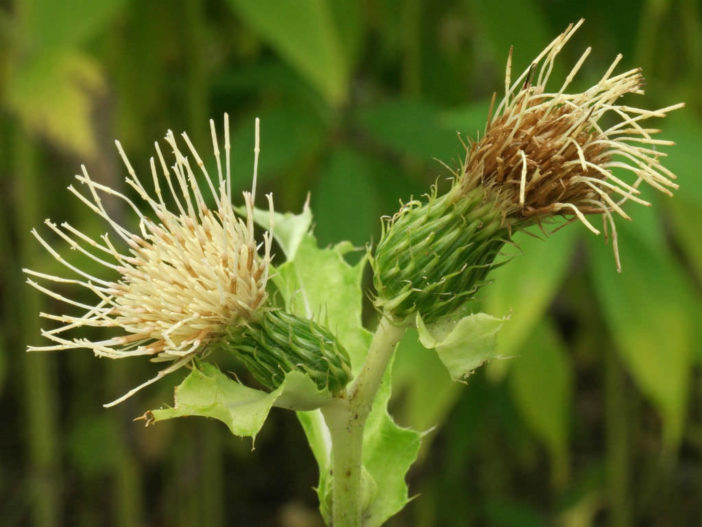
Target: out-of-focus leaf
(268, 77)
(423, 384)
(51, 82)
(348, 20)
(524, 286)
(345, 199)
(516, 23)
(52, 95)
(646, 220)
(463, 344)
(651, 312)
(504, 513)
(287, 136)
(541, 381)
(684, 160)
(686, 218)
(51, 25)
(303, 33)
(94, 444)
(412, 127)
(468, 120)
(3, 364)
(207, 392)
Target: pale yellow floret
(185, 276)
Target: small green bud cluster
(432, 257)
(278, 342)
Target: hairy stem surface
(346, 419)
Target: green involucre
(434, 256)
(278, 342)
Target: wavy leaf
(462, 343)
(207, 392)
(388, 452)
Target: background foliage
(598, 419)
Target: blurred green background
(598, 419)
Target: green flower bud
(276, 343)
(432, 257)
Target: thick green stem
(346, 419)
(364, 387)
(347, 454)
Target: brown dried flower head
(188, 274)
(545, 152)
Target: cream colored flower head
(179, 279)
(549, 153)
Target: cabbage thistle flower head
(544, 154)
(180, 280)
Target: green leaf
(52, 82)
(91, 436)
(288, 229)
(319, 439)
(686, 216)
(388, 452)
(303, 32)
(288, 136)
(468, 120)
(354, 217)
(412, 127)
(683, 159)
(348, 20)
(207, 392)
(305, 284)
(3, 364)
(541, 382)
(652, 314)
(524, 287)
(51, 25)
(426, 394)
(503, 512)
(52, 96)
(463, 344)
(513, 22)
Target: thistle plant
(191, 279)
(189, 283)
(543, 154)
